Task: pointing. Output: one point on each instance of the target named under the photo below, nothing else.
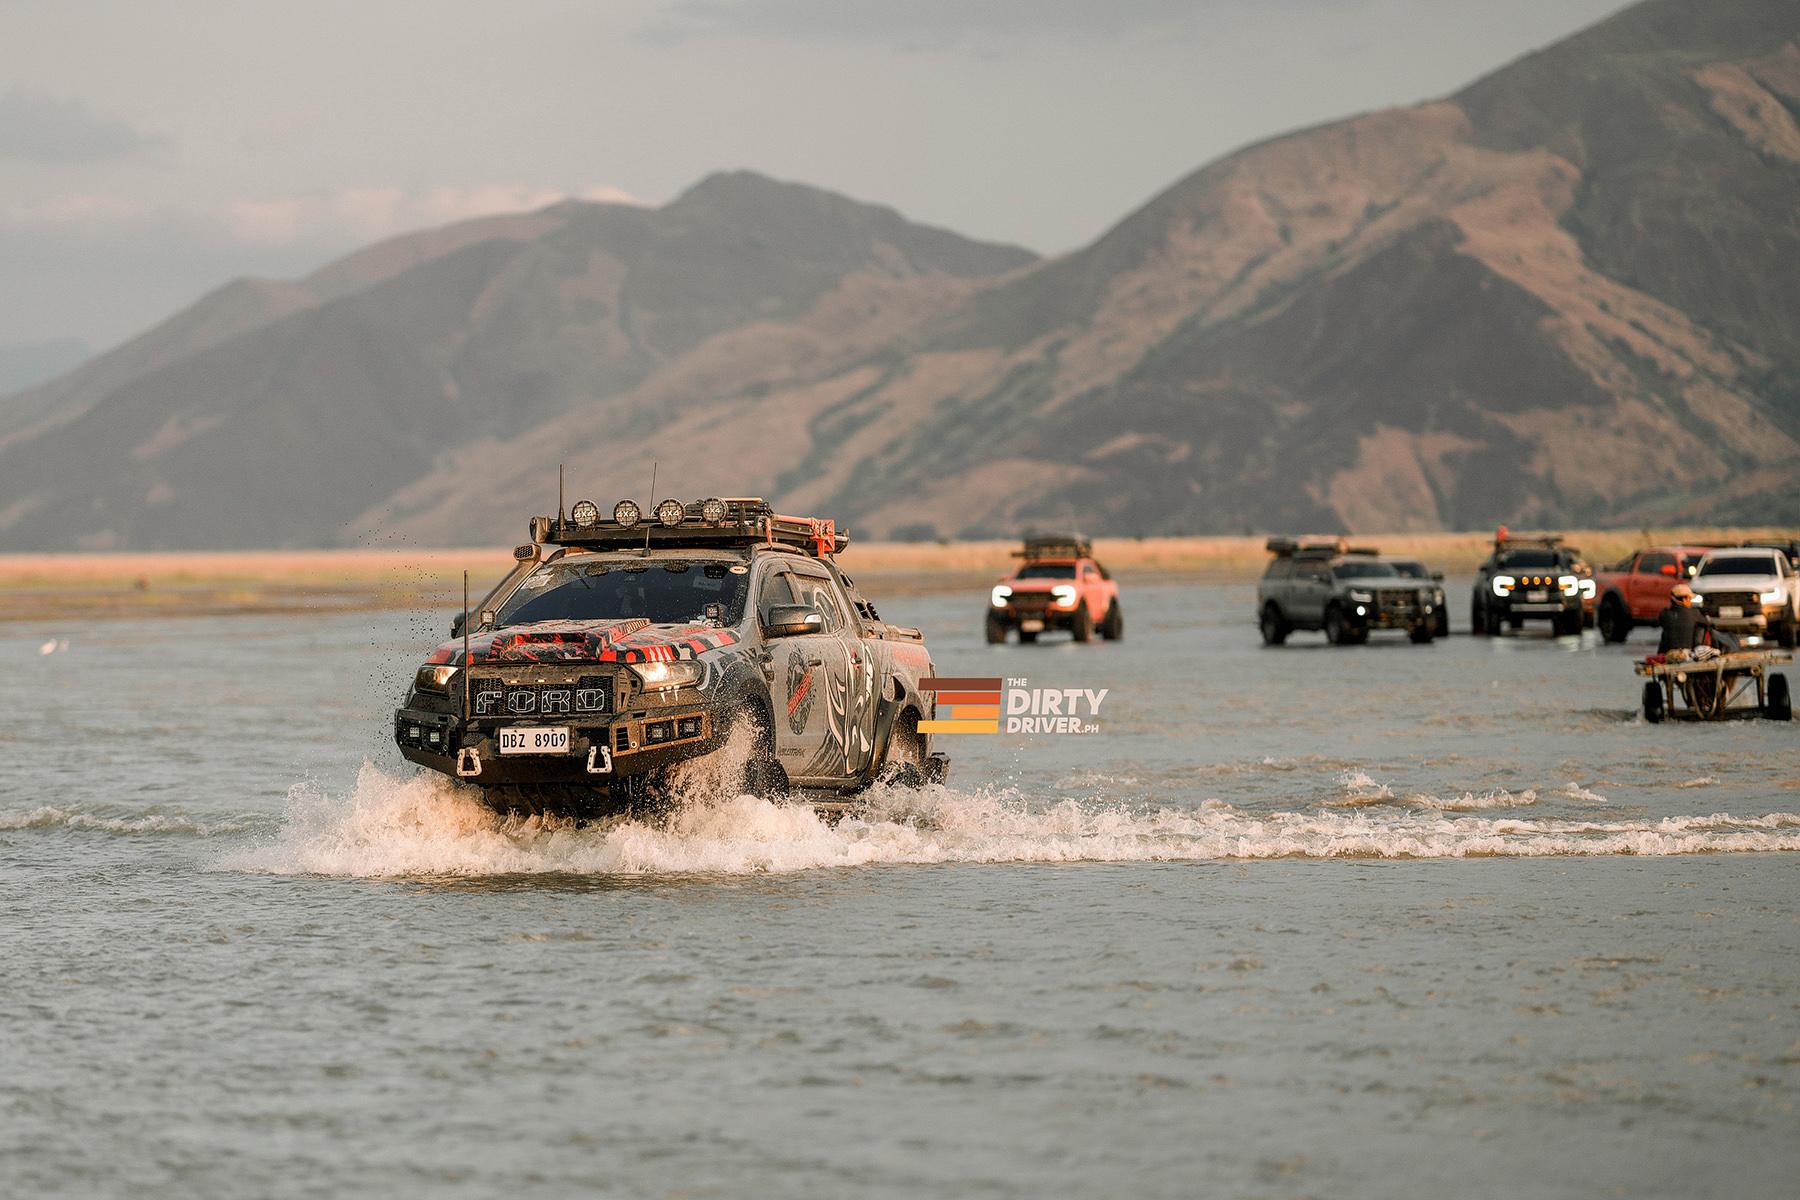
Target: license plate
(535, 739)
(1538, 596)
(1730, 611)
(1031, 627)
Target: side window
(817, 592)
(1652, 564)
(1281, 568)
(775, 590)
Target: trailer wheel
(1615, 622)
(1778, 706)
(1653, 702)
(996, 630)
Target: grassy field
(44, 587)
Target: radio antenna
(467, 665)
(559, 498)
(652, 510)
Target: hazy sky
(152, 149)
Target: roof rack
(743, 522)
(1055, 545)
(1285, 547)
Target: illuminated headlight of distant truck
(1698, 599)
(1002, 594)
(1773, 597)
(434, 679)
(1569, 584)
(1362, 597)
(1502, 585)
(1589, 589)
(666, 676)
(1065, 595)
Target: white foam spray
(424, 824)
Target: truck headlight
(434, 679)
(664, 676)
(1773, 597)
(1589, 589)
(1065, 595)
(1569, 584)
(1002, 594)
(1362, 597)
(1502, 585)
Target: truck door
(812, 682)
(1650, 584)
(1309, 589)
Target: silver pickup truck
(1323, 583)
(617, 649)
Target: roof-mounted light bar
(717, 522)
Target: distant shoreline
(61, 587)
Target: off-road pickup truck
(1059, 586)
(1529, 578)
(616, 649)
(1633, 592)
(1322, 583)
(1750, 591)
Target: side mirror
(787, 620)
(456, 626)
(1437, 576)
(1668, 569)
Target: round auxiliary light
(712, 511)
(670, 512)
(586, 513)
(626, 513)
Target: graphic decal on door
(800, 692)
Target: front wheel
(1478, 618)
(1083, 624)
(996, 630)
(1274, 629)
(1338, 630)
(1615, 622)
(764, 776)
(1784, 633)
(1653, 702)
(1113, 628)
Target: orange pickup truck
(1633, 592)
(1060, 586)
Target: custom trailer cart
(1712, 689)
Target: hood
(631, 641)
(1734, 583)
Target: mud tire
(1275, 628)
(764, 776)
(1082, 626)
(1615, 622)
(1113, 627)
(1338, 631)
(1653, 702)
(996, 630)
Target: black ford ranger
(617, 649)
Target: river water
(1377, 921)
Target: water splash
(423, 824)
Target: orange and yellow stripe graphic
(963, 705)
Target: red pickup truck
(1633, 592)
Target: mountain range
(1567, 294)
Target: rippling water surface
(1373, 921)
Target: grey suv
(1323, 584)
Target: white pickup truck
(1749, 590)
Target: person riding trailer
(1684, 627)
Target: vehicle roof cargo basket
(734, 523)
(1055, 545)
(1284, 547)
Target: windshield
(1363, 570)
(1046, 571)
(1410, 570)
(1738, 564)
(660, 592)
(1529, 559)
